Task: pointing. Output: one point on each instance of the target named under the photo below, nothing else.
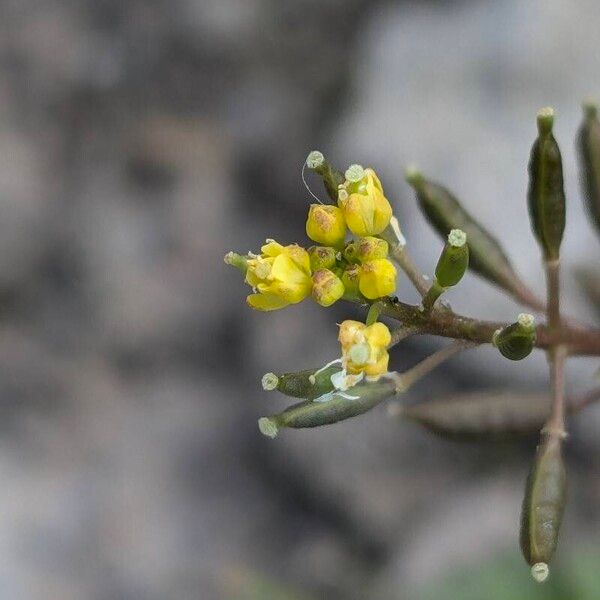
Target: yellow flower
(364, 349)
(325, 225)
(366, 209)
(377, 278)
(280, 275)
(365, 249)
(327, 287)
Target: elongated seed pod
(588, 151)
(546, 195)
(516, 341)
(307, 384)
(543, 506)
(481, 416)
(454, 259)
(443, 210)
(355, 401)
(332, 178)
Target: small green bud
(445, 213)
(322, 257)
(516, 341)
(546, 196)
(342, 405)
(543, 506)
(371, 248)
(332, 178)
(454, 260)
(588, 147)
(351, 278)
(327, 287)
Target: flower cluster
(358, 268)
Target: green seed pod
(308, 384)
(454, 260)
(343, 405)
(481, 416)
(588, 147)
(546, 195)
(321, 257)
(516, 341)
(444, 212)
(332, 178)
(543, 506)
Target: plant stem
(556, 353)
(579, 341)
(400, 254)
(401, 334)
(405, 380)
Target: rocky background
(141, 140)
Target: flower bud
(322, 257)
(327, 287)
(343, 405)
(351, 278)
(516, 341)
(331, 177)
(546, 195)
(377, 279)
(454, 260)
(366, 209)
(371, 248)
(325, 225)
(588, 146)
(543, 506)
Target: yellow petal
(378, 335)
(272, 248)
(266, 302)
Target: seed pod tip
(268, 427)
(590, 108)
(413, 175)
(457, 238)
(540, 572)
(526, 320)
(545, 120)
(315, 159)
(270, 381)
(354, 173)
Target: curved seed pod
(481, 416)
(343, 405)
(588, 147)
(444, 212)
(546, 195)
(332, 178)
(543, 506)
(454, 259)
(516, 341)
(307, 384)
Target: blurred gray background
(140, 141)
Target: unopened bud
(326, 225)
(322, 257)
(377, 279)
(365, 249)
(351, 278)
(327, 287)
